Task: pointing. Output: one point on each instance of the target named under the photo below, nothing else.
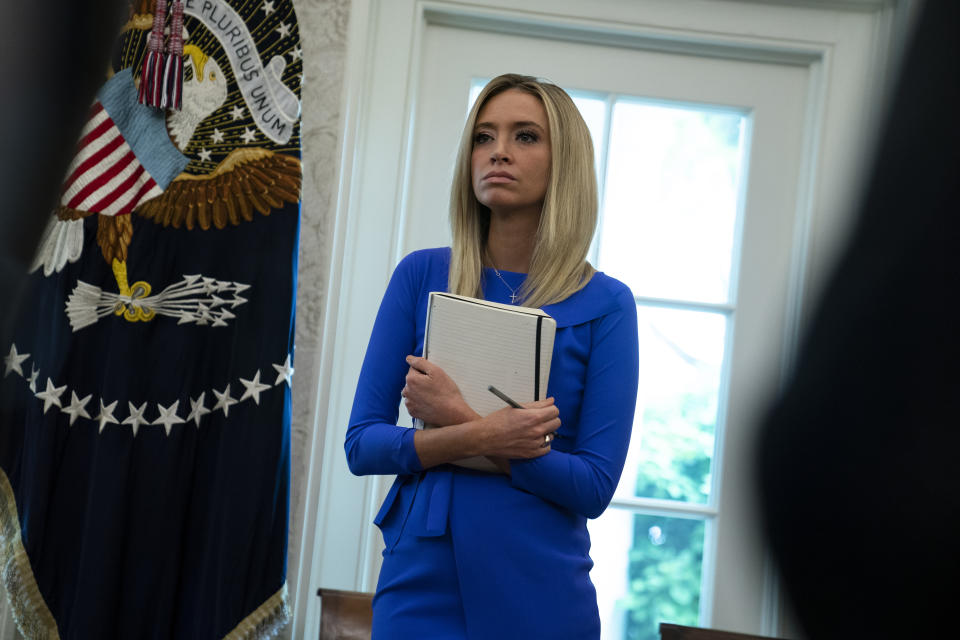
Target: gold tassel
(30, 612)
(266, 621)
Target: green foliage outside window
(667, 554)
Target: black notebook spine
(536, 363)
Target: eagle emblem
(226, 157)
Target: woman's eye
(527, 136)
(481, 137)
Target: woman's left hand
(432, 396)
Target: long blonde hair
(558, 267)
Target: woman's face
(511, 153)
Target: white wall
(323, 30)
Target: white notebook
(480, 343)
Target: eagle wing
(246, 180)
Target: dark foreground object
(858, 458)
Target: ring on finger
(547, 437)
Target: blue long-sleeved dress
(477, 555)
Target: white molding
(642, 37)
(863, 6)
(889, 29)
(306, 604)
(804, 219)
(663, 507)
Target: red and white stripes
(105, 176)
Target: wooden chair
(345, 615)
(678, 632)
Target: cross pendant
(513, 298)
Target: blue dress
(477, 555)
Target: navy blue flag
(145, 396)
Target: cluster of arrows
(195, 298)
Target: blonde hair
(558, 267)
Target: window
(671, 177)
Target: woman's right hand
(520, 433)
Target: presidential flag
(145, 395)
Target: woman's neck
(511, 240)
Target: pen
(510, 401)
(500, 394)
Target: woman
(481, 555)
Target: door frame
(339, 543)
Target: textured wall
(323, 29)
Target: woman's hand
(502, 435)
(430, 395)
(520, 433)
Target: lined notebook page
(479, 343)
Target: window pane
(670, 205)
(647, 571)
(476, 86)
(594, 112)
(670, 455)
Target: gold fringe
(140, 21)
(34, 619)
(266, 621)
(30, 612)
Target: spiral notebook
(480, 343)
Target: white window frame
(339, 543)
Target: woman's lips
(498, 177)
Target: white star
(32, 380)
(77, 408)
(253, 388)
(284, 372)
(135, 419)
(224, 401)
(197, 410)
(237, 112)
(268, 7)
(296, 53)
(51, 396)
(283, 29)
(204, 155)
(168, 416)
(13, 360)
(105, 416)
(217, 136)
(248, 135)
